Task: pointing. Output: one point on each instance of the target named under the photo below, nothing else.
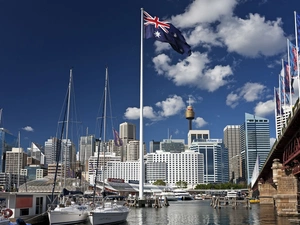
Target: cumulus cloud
(249, 92)
(264, 108)
(169, 107)
(252, 37)
(192, 71)
(199, 122)
(204, 11)
(28, 128)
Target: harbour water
(200, 212)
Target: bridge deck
(277, 152)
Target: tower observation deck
(189, 114)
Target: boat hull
(108, 216)
(67, 217)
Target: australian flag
(165, 32)
(118, 141)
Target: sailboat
(68, 212)
(108, 212)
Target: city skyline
(230, 72)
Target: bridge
(278, 181)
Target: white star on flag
(157, 34)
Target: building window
(24, 212)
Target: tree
(160, 182)
(182, 184)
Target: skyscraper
(255, 140)
(127, 133)
(87, 148)
(232, 143)
(215, 159)
(51, 148)
(280, 120)
(7, 142)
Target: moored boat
(109, 213)
(254, 201)
(183, 195)
(169, 194)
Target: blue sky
(237, 47)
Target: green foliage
(160, 183)
(220, 186)
(181, 184)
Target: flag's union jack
(165, 32)
(164, 25)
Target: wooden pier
(218, 202)
(148, 202)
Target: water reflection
(200, 212)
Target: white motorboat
(198, 197)
(110, 213)
(167, 194)
(183, 195)
(72, 214)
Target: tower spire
(189, 114)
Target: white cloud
(252, 37)
(199, 122)
(203, 35)
(169, 107)
(204, 11)
(232, 100)
(252, 91)
(264, 108)
(192, 71)
(249, 92)
(28, 128)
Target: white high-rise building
(185, 166)
(123, 170)
(92, 165)
(281, 120)
(195, 135)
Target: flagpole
(289, 65)
(142, 166)
(296, 35)
(275, 112)
(279, 96)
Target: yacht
(69, 213)
(108, 213)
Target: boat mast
(67, 127)
(104, 128)
(19, 146)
